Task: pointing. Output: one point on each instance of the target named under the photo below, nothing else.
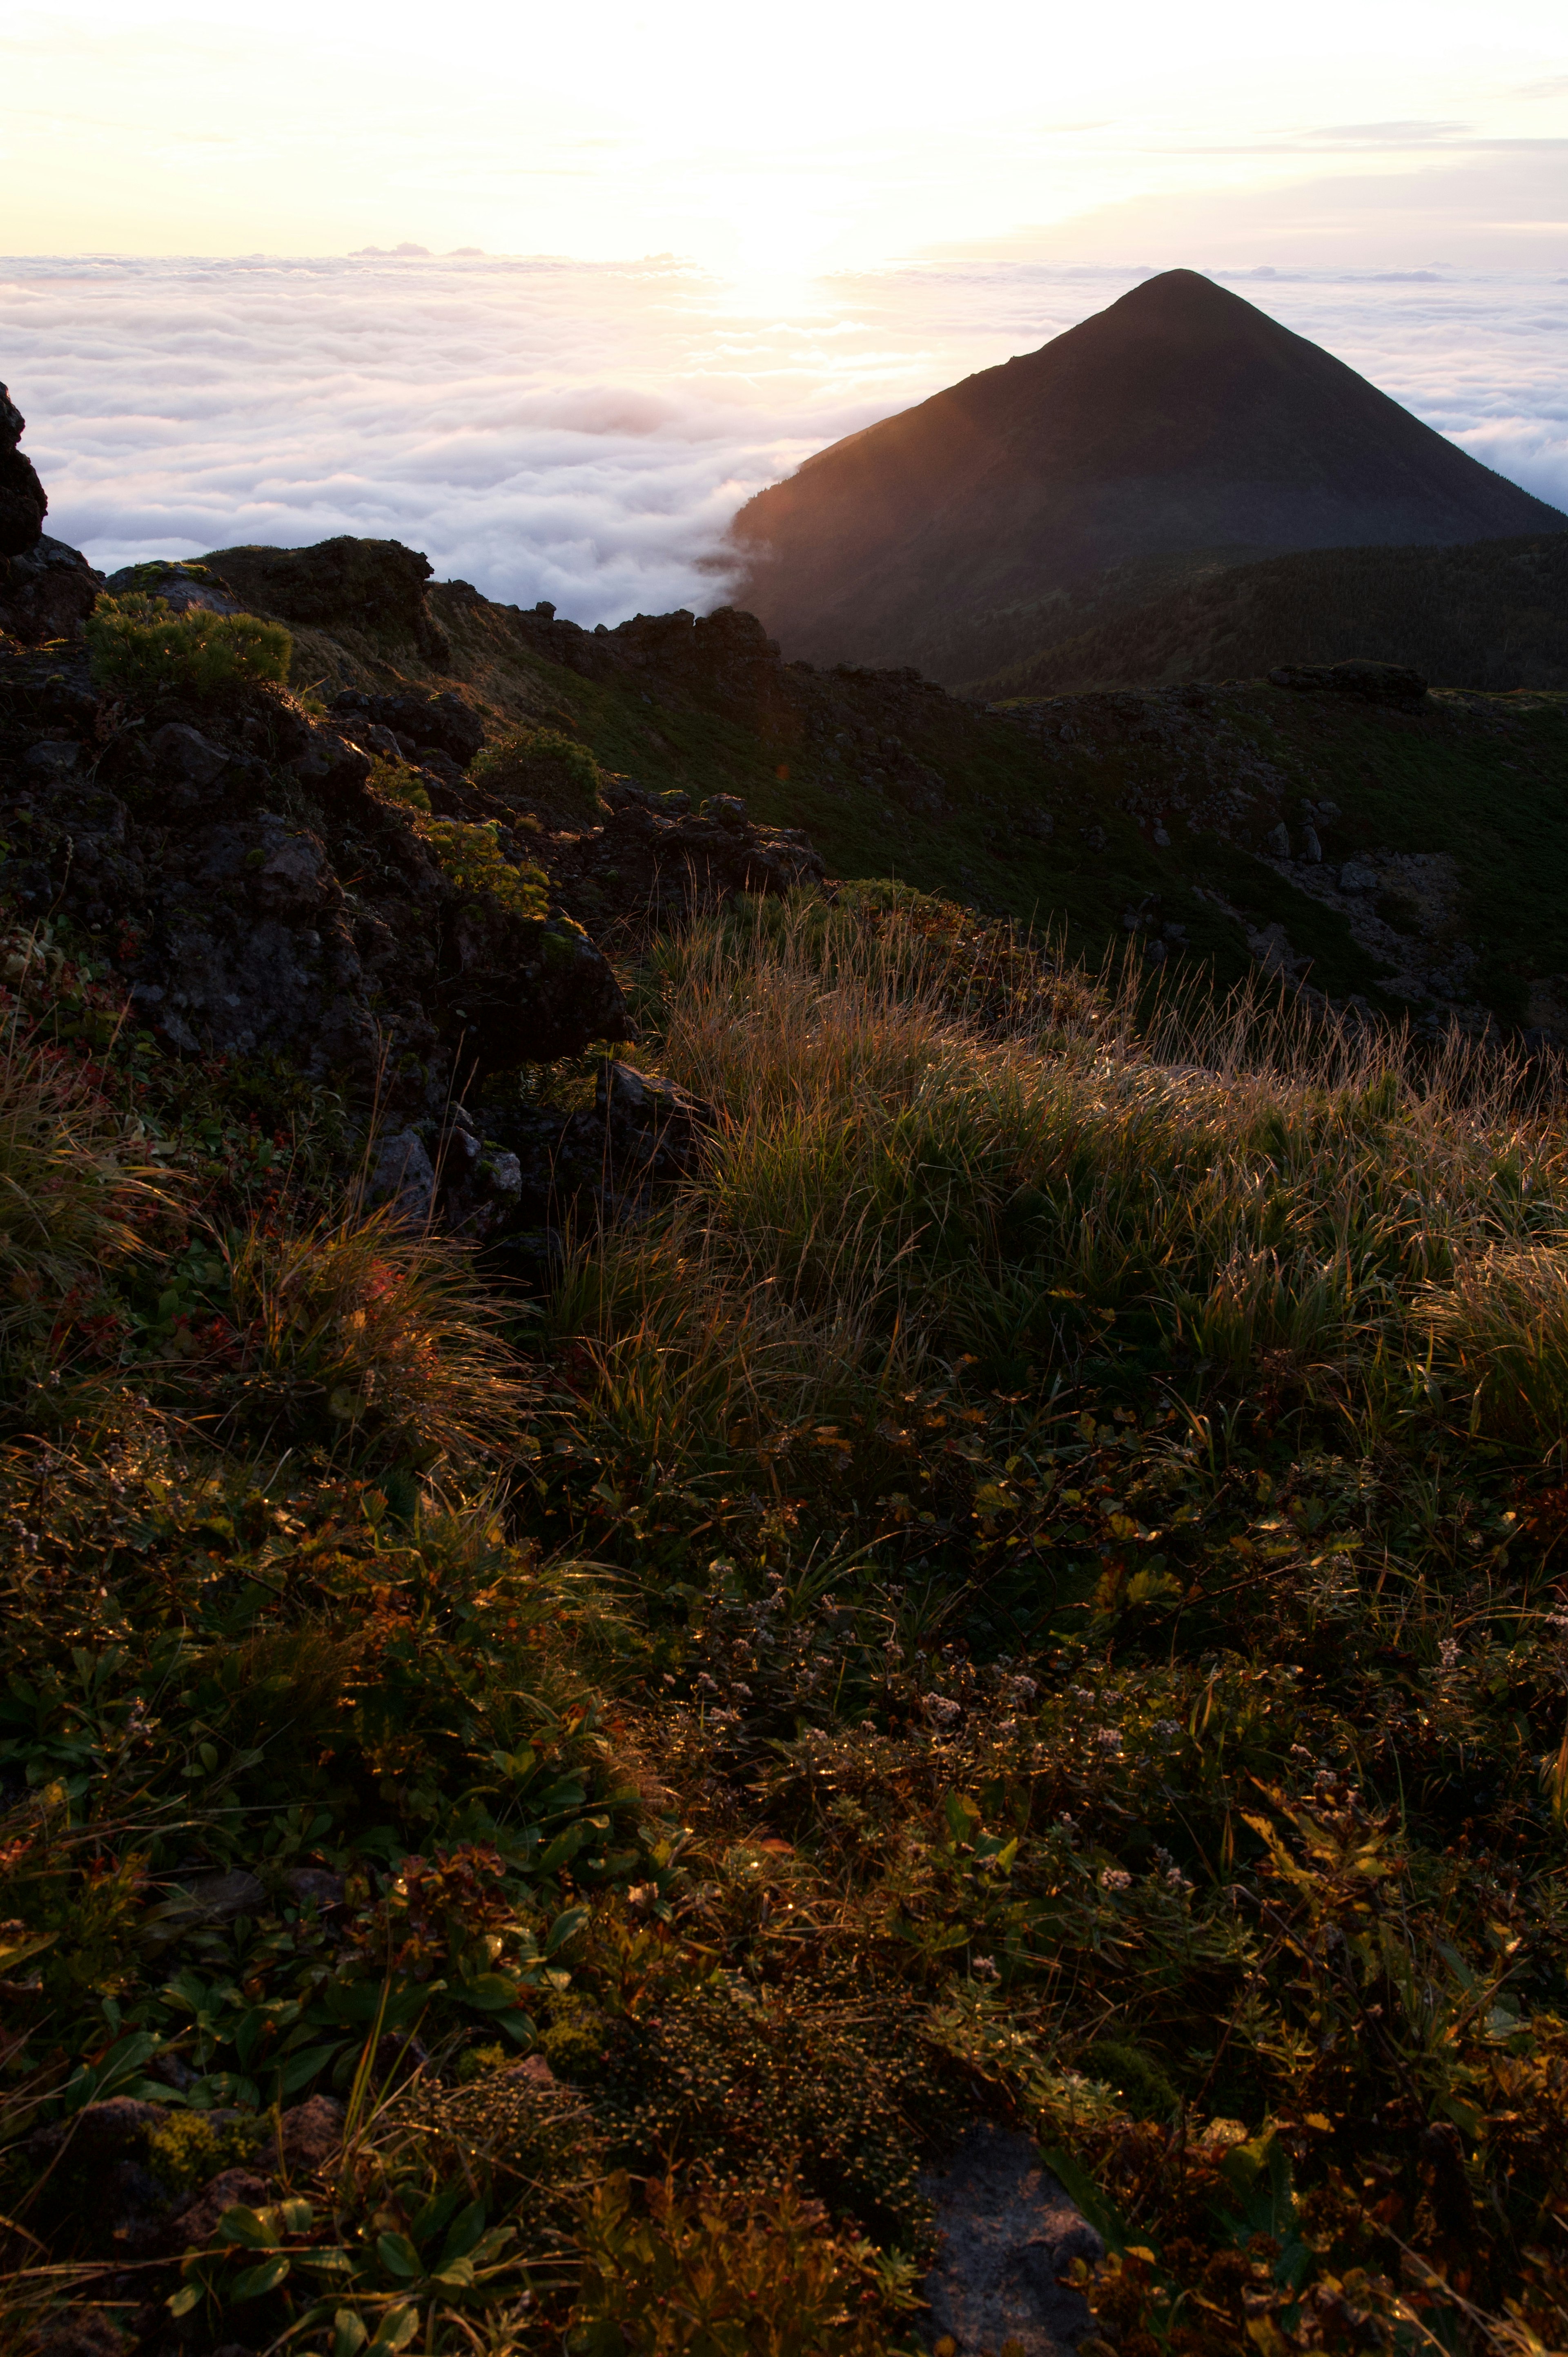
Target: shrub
(679, 2274)
(138, 646)
(476, 863)
(400, 784)
(541, 765)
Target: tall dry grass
(1224, 1189)
(358, 1327)
(77, 1183)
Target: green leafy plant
(473, 858)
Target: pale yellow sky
(773, 144)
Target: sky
(548, 290)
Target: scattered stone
(314, 1886)
(1007, 2234)
(113, 2130)
(83, 2332)
(1279, 841)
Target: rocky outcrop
(179, 585)
(46, 594)
(375, 586)
(257, 897)
(46, 589)
(416, 724)
(23, 501)
(1375, 683)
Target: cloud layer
(584, 432)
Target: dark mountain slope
(1179, 419)
(1493, 614)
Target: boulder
(48, 592)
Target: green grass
(1031, 1585)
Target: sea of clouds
(583, 432)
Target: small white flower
(1177, 1878)
(1109, 1740)
(940, 1708)
(724, 1718)
(1167, 1729)
(1448, 1651)
(1113, 1878)
(984, 1968)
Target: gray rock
(1279, 841)
(46, 592)
(727, 809)
(1311, 848)
(1356, 875)
(313, 1885)
(54, 760)
(1008, 2232)
(309, 2135)
(99, 2132)
(211, 1899)
(188, 754)
(403, 1174)
(194, 2226)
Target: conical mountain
(1180, 419)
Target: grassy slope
(1032, 1585)
(1493, 614)
(1031, 1588)
(1484, 779)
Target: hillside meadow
(1027, 1587)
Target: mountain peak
(1179, 419)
